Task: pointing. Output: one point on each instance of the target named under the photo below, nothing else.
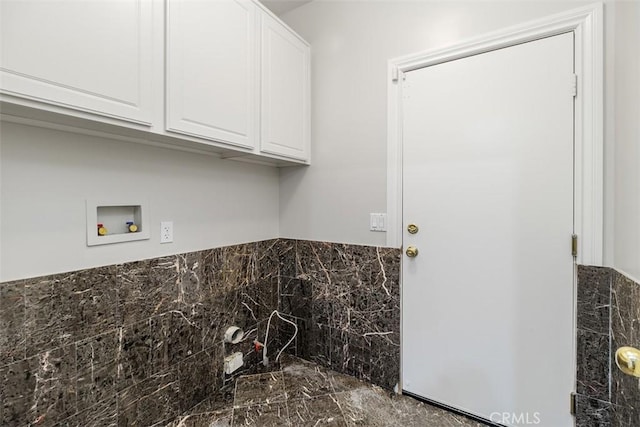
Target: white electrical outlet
(233, 363)
(166, 232)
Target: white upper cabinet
(222, 76)
(212, 70)
(285, 98)
(91, 56)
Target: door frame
(587, 25)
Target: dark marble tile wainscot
(346, 302)
(608, 317)
(142, 342)
(135, 343)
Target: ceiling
(280, 7)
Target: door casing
(587, 25)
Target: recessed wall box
(116, 218)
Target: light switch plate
(378, 222)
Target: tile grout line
(334, 396)
(610, 332)
(286, 396)
(233, 404)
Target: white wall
(47, 175)
(627, 127)
(351, 43)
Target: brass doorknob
(412, 252)
(628, 360)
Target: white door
(488, 179)
(212, 70)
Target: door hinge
(572, 403)
(574, 85)
(574, 245)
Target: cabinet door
(285, 91)
(212, 76)
(92, 56)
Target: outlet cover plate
(166, 232)
(232, 363)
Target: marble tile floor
(301, 393)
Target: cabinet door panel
(212, 70)
(285, 92)
(93, 56)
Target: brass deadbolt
(412, 252)
(628, 360)
(412, 228)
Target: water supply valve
(102, 230)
